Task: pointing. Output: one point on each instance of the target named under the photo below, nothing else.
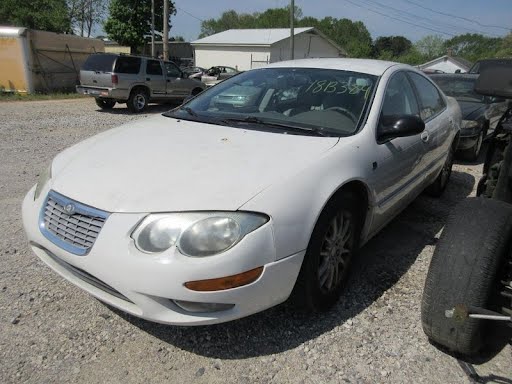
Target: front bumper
(116, 272)
(468, 138)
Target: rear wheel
(138, 100)
(105, 103)
(465, 272)
(326, 264)
(437, 188)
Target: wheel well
(143, 87)
(455, 142)
(196, 91)
(360, 191)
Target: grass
(10, 96)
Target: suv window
(172, 70)
(153, 67)
(99, 63)
(431, 101)
(399, 98)
(129, 65)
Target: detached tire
(333, 243)
(105, 103)
(437, 188)
(465, 271)
(138, 100)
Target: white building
(253, 48)
(447, 64)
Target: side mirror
(399, 126)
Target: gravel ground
(53, 332)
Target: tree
(505, 47)
(430, 46)
(473, 47)
(130, 20)
(390, 47)
(85, 14)
(46, 15)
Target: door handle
(425, 136)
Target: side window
(172, 70)
(399, 98)
(129, 65)
(153, 67)
(431, 101)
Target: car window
(99, 63)
(172, 70)
(462, 88)
(229, 70)
(153, 67)
(128, 65)
(431, 101)
(399, 98)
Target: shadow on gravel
(151, 109)
(379, 266)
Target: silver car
(134, 80)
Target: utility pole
(292, 33)
(166, 30)
(152, 28)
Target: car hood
(471, 110)
(163, 164)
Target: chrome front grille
(70, 225)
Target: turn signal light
(227, 282)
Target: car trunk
(97, 71)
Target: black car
(480, 114)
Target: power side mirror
(394, 126)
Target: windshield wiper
(258, 121)
(190, 111)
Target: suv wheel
(105, 103)
(138, 100)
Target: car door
(438, 122)
(176, 87)
(155, 78)
(399, 161)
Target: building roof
(459, 61)
(369, 66)
(266, 37)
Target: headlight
(44, 177)
(469, 124)
(195, 234)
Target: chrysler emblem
(69, 209)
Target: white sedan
(260, 188)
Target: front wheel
(105, 103)
(326, 264)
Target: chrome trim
(80, 209)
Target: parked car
(480, 114)
(189, 71)
(215, 74)
(134, 80)
(467, 300)
(206, 214)
(481, 65)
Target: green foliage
(391, 45)
(505, 49)
(46, 15)
(130, 20)
(431, 47)
(473, 47)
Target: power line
(188, 13)
(433, 22)
(455, 16)
(401, 20)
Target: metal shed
(39, 61)
(252, 48)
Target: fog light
(191, 306)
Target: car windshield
(326, 101)
(461, 89)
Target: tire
(138, 100)
(105, 103)
(465, 270)
(325, 268)
(437, 188)
(471, 154)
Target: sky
(381, 17)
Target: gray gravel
(51, 331)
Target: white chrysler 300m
(260, 188)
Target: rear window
(128, 65)
(99, 63)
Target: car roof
(372, 67)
